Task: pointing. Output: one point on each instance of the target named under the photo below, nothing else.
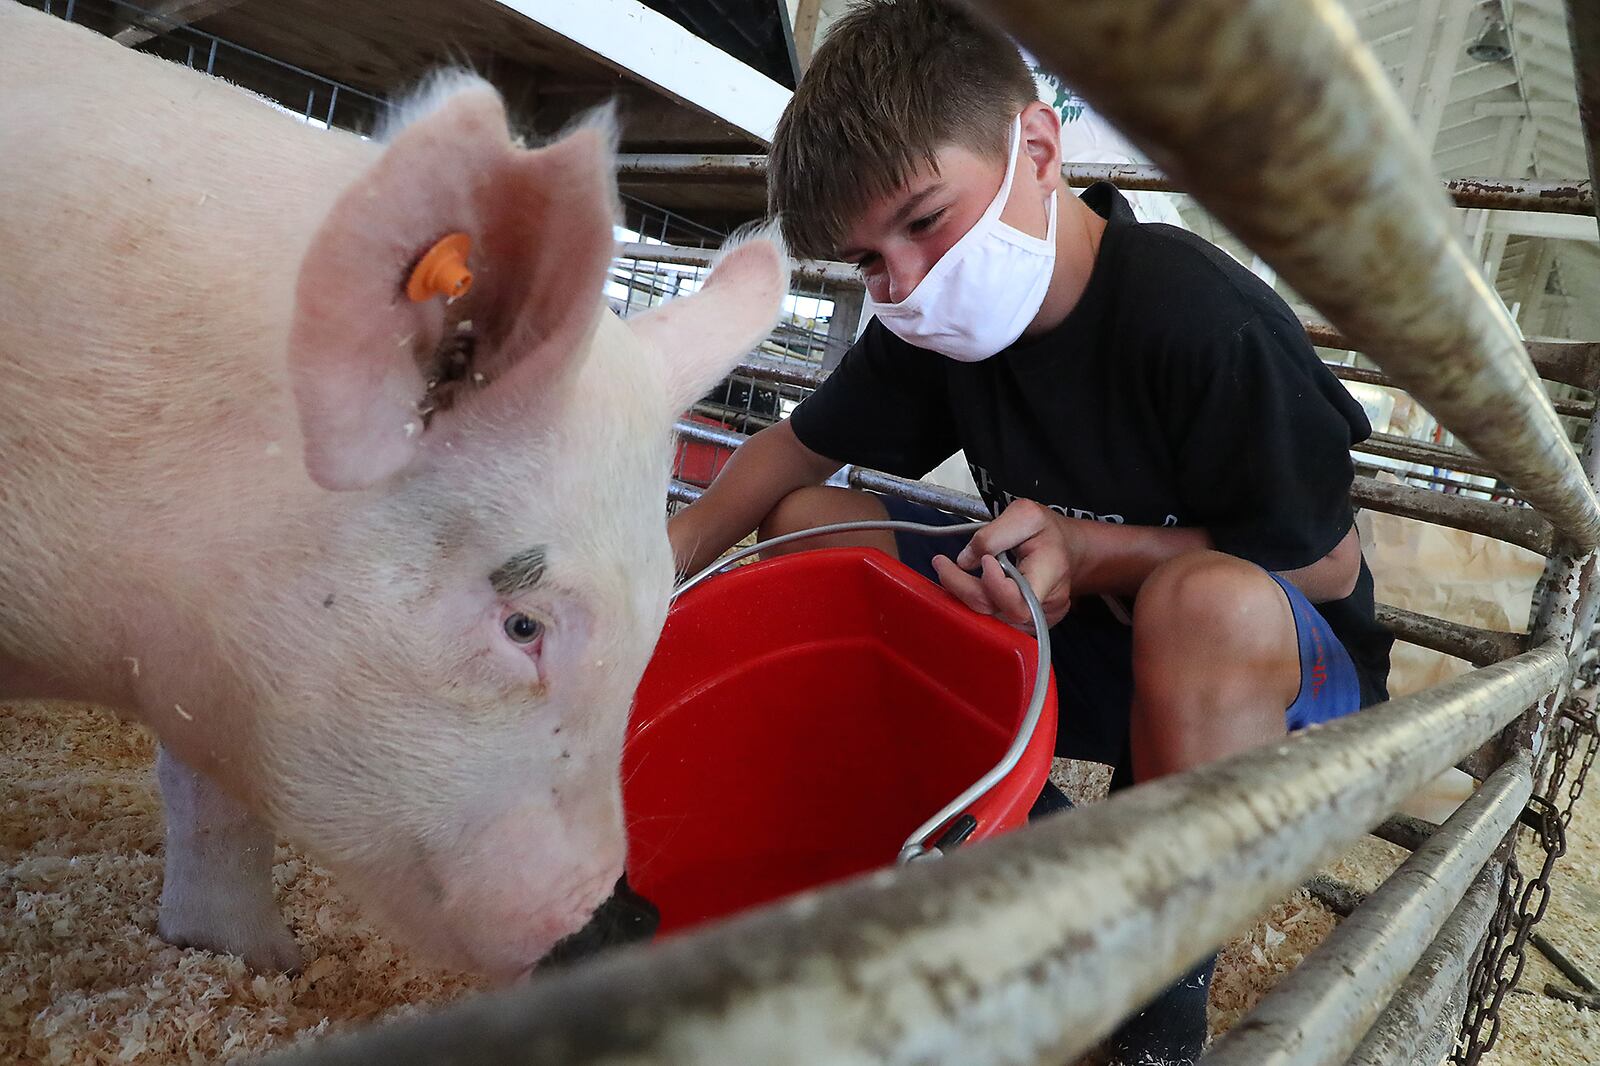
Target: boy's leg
(823, 505)
(1171, 1030)
(1215, 663)
(1226, 657)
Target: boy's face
(897, 239)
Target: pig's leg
(218, 888)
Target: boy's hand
(1046, 551)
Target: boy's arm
(1060, 558)
(764, 470)
(1065, 557)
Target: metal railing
(1561, 197)
(1031, 947)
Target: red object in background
(803, 716)
(696, 462)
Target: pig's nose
(623, 918)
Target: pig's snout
(624, 918)
(504, 923)
(497, 899)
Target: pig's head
(447, 723)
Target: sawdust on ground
(83, 978)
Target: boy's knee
(1211, 595)
(1214, 648)
(824, 505)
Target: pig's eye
(522, 629)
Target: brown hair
(895, 81)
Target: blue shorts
(1329, 685)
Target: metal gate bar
(1317, 1014)
(1423, 1002)
(1025, 950)
(1479, 646)
(1528, 194)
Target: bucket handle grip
(917, 845)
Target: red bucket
(803, 716)
(699, 463)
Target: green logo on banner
(1066, 103)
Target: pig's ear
(699, 338)
(375, 373)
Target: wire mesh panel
(818, 321)
(294, 90)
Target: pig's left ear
(699, 338)
(376, 374)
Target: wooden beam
(1521, 159)
(1422, 34)
(1446, 57)
(806, 19)
(170, 15)
(1494, 256)
(645, 45)
(1532, 283)
(1517, 109)
(1541, 29)
(1543, 224)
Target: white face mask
(985, 290)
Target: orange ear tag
(442, 270)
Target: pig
(381, 574)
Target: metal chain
(1582, 728)
(1482, 1003)
(1522, 905)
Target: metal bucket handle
(916, 845)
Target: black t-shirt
(1180, 391)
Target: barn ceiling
(1508, 118)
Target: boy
(1165, 454)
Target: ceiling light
(1493, 45)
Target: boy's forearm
(1115, 560)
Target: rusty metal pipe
(1565, 197)
(759, 369)
(1517, 525)
(959, 503)
(1575, 363)
(1402, 830)
(1317, 1013)
(1570, 408)
(1428, 453)
(1480, 647)
(1423, 1003)
(1444, 482)
(1564, 617)
(805, 269)
(701, 166)
(1023, 949)
(1281, 124)
(1583, 27)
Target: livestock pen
(1030, 948)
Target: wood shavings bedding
(83, 979)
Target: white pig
(399, 622)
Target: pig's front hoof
(264, 942)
